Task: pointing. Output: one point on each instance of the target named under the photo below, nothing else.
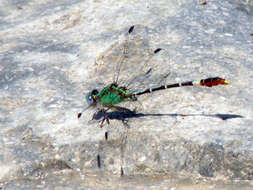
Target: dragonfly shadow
(124, 114)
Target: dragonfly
(116, 92)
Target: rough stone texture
(194, 138)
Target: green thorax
(112, 94)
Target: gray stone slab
(54, 52)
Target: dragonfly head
(91, 97)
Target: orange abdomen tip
(209, 82)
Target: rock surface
(177, 138)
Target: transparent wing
(131, 62)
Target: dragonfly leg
(105, 117)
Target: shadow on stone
(124, 114)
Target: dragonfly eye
(94, 92)
(89, 97)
